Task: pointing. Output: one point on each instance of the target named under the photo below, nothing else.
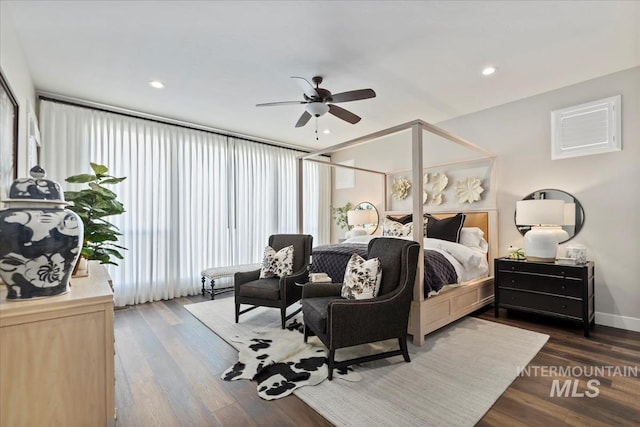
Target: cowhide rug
(280, 361)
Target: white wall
(15, 69)
(607, 185)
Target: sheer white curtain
(7, 116)
(194, 199)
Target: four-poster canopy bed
(428, 313)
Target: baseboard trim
(616, 321)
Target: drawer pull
(564, 305)
(563, 287)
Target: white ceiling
(220, 58)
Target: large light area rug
(453, 380)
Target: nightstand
(563, 291)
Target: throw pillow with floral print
(396, 229)
(361, 278)
(277, 264)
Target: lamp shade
(569, 214)
(540, 212)
(359, 217)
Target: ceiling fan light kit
(319, 101)
(317, 109)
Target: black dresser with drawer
(563, 291)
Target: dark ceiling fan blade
(306, 87)
(343, 114)
(269, 104)
(353, 95)
(304, 118)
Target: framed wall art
(8, 137)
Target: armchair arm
(314, 290)
(290, 291)
(244, 277)
(301, 276)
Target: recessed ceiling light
(488, 71)
(157, 84)
(326, 131)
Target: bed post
(416, 327)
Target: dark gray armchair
(340, 322)
(279, 292)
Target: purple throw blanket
(333, 259)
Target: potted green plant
(340, 215)
(93, 204)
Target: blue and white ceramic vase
(40, 241)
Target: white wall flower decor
(468, 190)
(400, 188)
(439, 182)
(425, 197)
(437, 199)
(425, 179)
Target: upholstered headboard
(472, 219)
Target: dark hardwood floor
(168, 368)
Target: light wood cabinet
(57, 356)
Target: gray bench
(212, 274)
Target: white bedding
(469, 262)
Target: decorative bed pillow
(446, 228)
(473, 237)
(361, 278)
(406, 219)
(277, 264)
(396, 229)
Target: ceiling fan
(319, 101)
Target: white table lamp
(358, 219)
(545, 217)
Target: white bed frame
(427, 314)
(454, 302)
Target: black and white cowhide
(280, 361)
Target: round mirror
(373, 216)
(573, 211)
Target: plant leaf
(99, 169)
(87, 252)
(102, 191)
(112, 180)
(113, 252)
(82, 178)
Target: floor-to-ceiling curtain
(194, 199)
